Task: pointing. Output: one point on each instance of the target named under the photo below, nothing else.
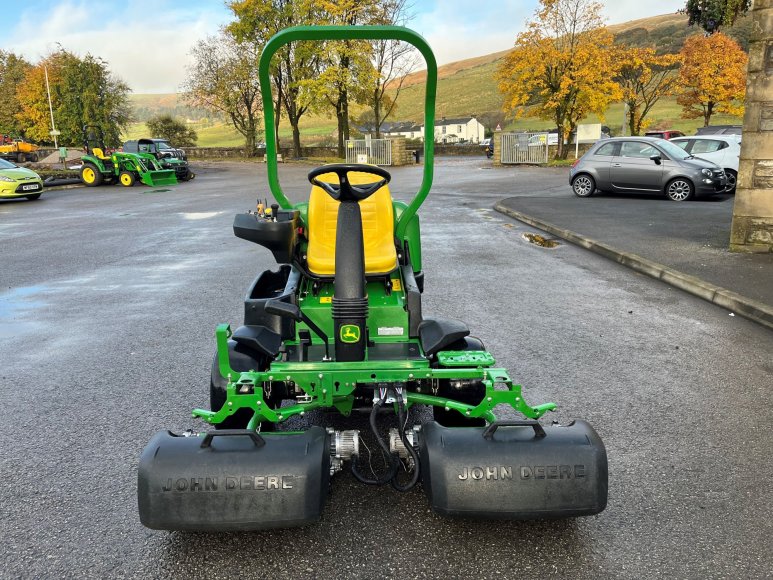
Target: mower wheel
(217, 391)
(91, 176)
(127, 178)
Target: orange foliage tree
(644, 78)
(562, 66)
(712, 77)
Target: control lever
(288, 310)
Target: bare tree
(393, 60)
(223, 79)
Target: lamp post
(54, 133)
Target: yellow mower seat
(97, 152)
(377, 228)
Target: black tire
(127, 178)
(217, 394)
(33, 197)
(732, 180)
(680, 189)
(91, 176)
(583, 185)
(33, 157)
(21, 158)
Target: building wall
(752, 229)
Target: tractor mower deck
(340, 326)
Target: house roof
(454, 121)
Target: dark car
(645, 164)
(720, 130)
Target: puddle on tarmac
(14, 304)
(201, 215)
(541, 241)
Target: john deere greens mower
(339, 326)
(124, 168)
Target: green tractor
(339, 326)
(125, 168)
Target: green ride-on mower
(124, 168)
(339, 326)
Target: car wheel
(90, 175)
(33, 197)
(583, 185)
(127, 178)
(732, 180)
(679, 189)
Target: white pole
(50, 108)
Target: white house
(467, 129)
(464, 129)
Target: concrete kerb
(752, 309)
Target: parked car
(646, 164)
(720, 130)
(668, 134)
(18, 181)
(723, 149)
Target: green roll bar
(352, 33)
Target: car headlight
(4, 178)
(707, 172)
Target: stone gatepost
(497, 159)
(752, 229)
(399, 154)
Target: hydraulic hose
(393, 462)
(401, 418)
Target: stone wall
(752, 229)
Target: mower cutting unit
(339, 326)
(125, 168)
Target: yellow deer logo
(350, 333)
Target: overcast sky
(147, 42)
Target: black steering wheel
(344, 190)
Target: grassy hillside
(465, 87)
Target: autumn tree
(644, 78)
(223, 79)
(711, 15)
(712, 77)
(347, 71)
(562, 67)
(177, 132)
(13, 69)
(83, 92)
(256, 22)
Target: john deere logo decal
(350, 333)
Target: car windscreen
(673, 151)
(163, 145)
(6, 164)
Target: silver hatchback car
(645, 164)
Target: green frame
(333, 384)
(351, 33)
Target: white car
(724, 150)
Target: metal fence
(373, 151)
(525, 148)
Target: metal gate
(373, 151)
(525, 148)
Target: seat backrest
(377, 228)
(99, 153)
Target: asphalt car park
(108, 303)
